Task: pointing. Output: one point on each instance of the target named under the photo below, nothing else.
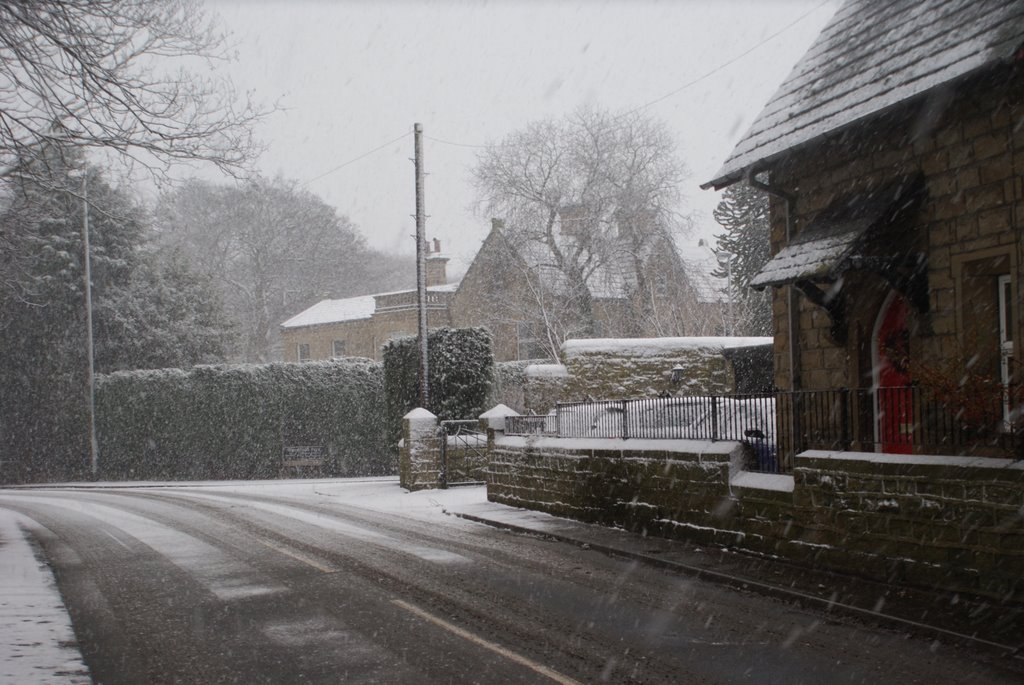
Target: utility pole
(421, 266)
(91, 379)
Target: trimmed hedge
(232, 422)
(461, 363)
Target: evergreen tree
(142, 311)
(743, 213)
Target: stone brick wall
(419, 456)
(642, 367)
(544, 386)
(421, 462)
(968, 151)
(957, 525)
(942, 522)
(614, 482)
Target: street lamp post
(91, 378)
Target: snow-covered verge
(37, 644)
(375, 494)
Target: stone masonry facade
(967, 146)
(957, 525)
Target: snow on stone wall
(609, 368)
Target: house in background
(894, 157)
(518, 293)
(359, 326)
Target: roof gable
(871, 56)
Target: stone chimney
(436, 265)
(573, 220)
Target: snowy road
(360, 582)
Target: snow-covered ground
(376, 494)
(37, 644)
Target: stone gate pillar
(419, 457)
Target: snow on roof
(350, 308)
(819, 252)
(700, 264)
(871, 56)
(333, 311)
(656, 347)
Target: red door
(894, 402)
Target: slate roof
(608, 281)
(819, 253)
(873, 55)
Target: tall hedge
(461, 364)
(233, 421)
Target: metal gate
(463, 453)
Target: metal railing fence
(779, 425)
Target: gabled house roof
(350, 308)
(874, 55)
(613, 279)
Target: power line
(730, 62)
(448, 142)
(683, 87)
(356, 159)
(664, 97)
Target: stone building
(520, 296)
(891, 157)
(359, 326)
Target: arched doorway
(894, 400)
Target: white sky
(354, 75)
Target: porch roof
(820, 253)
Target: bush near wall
(233, 421)
(461, 364)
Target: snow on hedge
(234, 421)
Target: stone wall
(544, 387)
(421, 463)
(642, 367)
(950, 523)
(635, 484)
(419, 454)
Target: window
(1006, 340)
(338, 349)
(986, 322)
(302, 352)
(529, 342)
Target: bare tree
(594, 192)
(272, 249)
(115, 75)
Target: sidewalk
(37, 644)
(946, 617)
